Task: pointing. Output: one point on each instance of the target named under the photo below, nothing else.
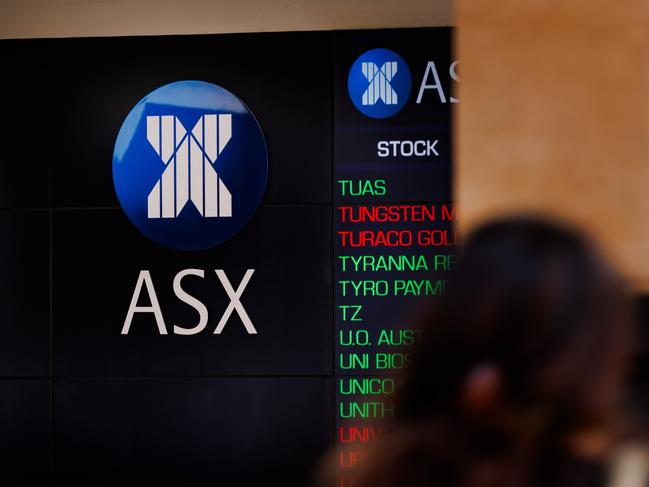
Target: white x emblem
(190, 159)
(379, 83)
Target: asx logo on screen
(380, 81)
(190, 167)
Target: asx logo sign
(190, 165)
(379, 83)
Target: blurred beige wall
(554, 117)
(74, 18)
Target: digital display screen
(394, 236)
(134, 349)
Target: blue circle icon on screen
(379, 83)
(190, 165)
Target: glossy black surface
(25, 124)
(24, 432)
(24, 293)
(133, 432)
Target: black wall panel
(25, 293)
(25, 124)
(25, 431)
(134, 432)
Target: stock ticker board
(215, 249)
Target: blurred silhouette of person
(519, 378)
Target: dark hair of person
(519, 377)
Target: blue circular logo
(379, 83)
(190, 165)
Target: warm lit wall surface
(77, 18)
(554, 116)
